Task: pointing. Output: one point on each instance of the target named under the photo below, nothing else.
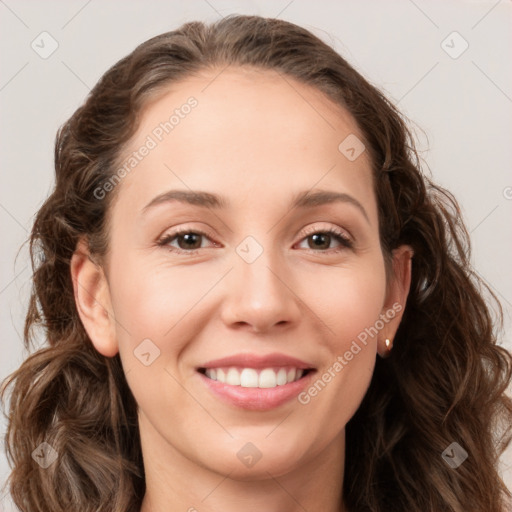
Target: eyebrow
(304, 199)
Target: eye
(188, 241)
(321, 239)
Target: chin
(254, 461)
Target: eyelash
(340, 236)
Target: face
(253, 311)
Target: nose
(260, 296)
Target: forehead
(248, 131)
(239, 100)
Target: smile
(255, 390)
(254, 378)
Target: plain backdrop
(446, 64)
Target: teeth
(250, 378)
(233, 377)
(282, 377)
(268, 379)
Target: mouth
(255, 389)
(262, 378)
(255, 381)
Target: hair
(445, 381)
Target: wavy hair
(444, 382)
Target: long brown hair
(445, 381)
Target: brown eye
(187, 241)
(321, 240)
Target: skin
(258, 140)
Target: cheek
(348, 300)
(160, 302)
(150, 302)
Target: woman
(253, 297)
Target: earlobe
(93, 302)
(396, 297)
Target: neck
(174, 483)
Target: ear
(396, 297)
(93, 302)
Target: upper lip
(258, 361)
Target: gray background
(460, 106)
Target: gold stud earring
(389, 347)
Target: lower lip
(257, 399)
